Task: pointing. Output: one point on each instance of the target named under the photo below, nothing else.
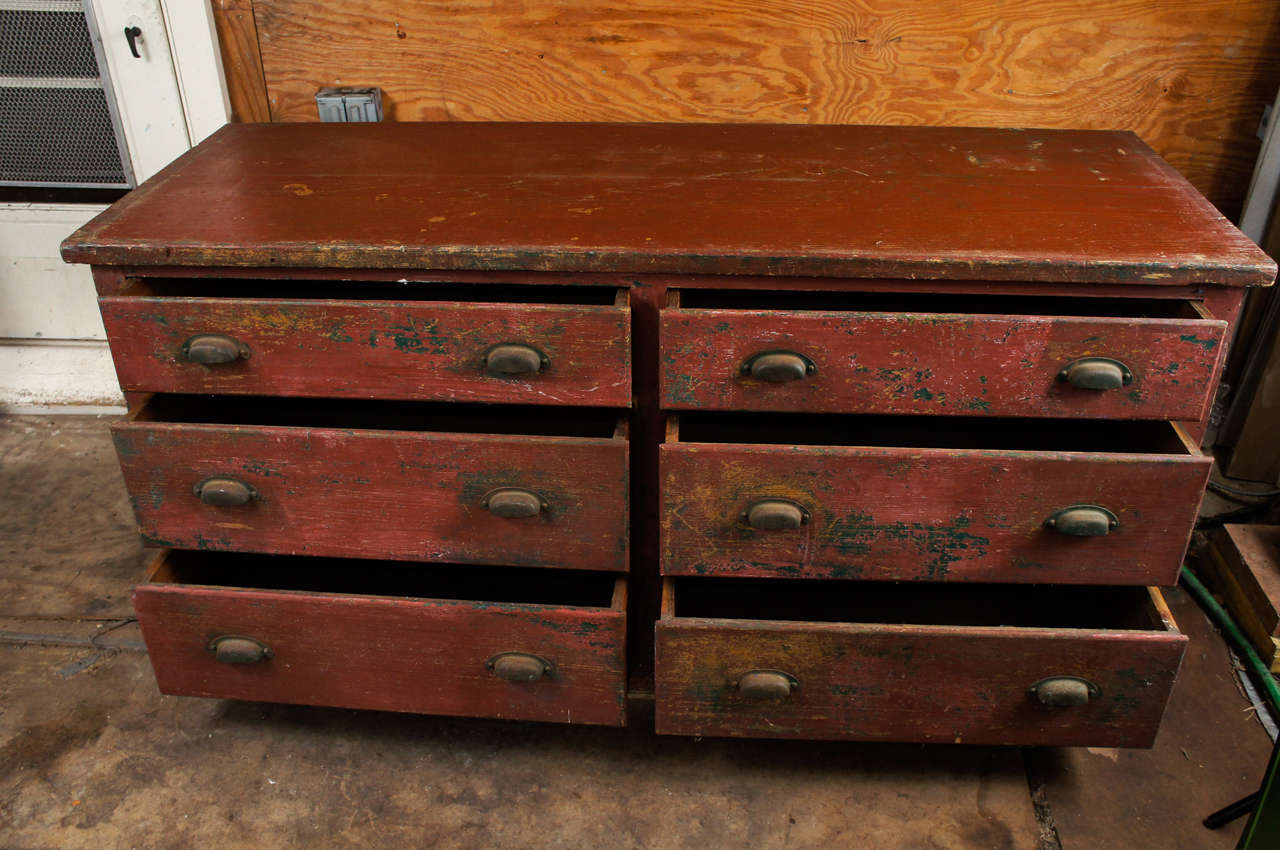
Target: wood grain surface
(386, 653)
(1189, 76)
(379, 494)
(953, 684)
(241, 59)
(894, 514)
(1241, 565)
(374, 349)
(938, 364)
(839, 201)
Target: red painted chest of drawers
(817, 432)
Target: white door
(53, 354)
(145, 85)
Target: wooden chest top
(832, 201)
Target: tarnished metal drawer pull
(767, 684)
(518, 666)
(1096, 373)
(224, 491)
(775, 515)
(778, 367)
(513, 503)
(214, 349)
(1064, 691)
(1084, 521)
(238, 649)
(515, 359)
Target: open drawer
(1040, 666)
(906, 498)
(849, 352)
(531, 344)
(481, 642)
(482, 484)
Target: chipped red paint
(830, 201)
(379, 494)
(647, 208)
(391, 654)
(1225, 304)
(938, 364)
(373, 349)
(946, 684)
(880, 513)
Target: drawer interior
(347, 290)
(1022, 606)
(937, 303)
(955, 432)
(383, 415)
(359, 577)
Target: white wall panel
(42, 377)
(42, 297)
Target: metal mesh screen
(55, 123)
(45, 44)
(52, 135)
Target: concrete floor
(92, 756)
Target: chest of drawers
(813, 432)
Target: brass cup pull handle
(778, 367)
(223, 491)
(775, 515)
(518, 667)
(1083, 521)
(238, 649)
(767, 684)
(1064, 691)
(214, 349)
(515, 359)
(1096, 373)
(513, 503)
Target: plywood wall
(1190, 76)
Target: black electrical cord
(1228, 490)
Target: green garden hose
(1229, 628)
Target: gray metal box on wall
(349, 104)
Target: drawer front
(950, 684)
(937, 364)
(427, 656)
(380, 494)
(370, 349)
(926, 514)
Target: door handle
(132, 34)
(775, 515)
(238, 649)
(778, 367)
(767, 684)
(515, 359)
(1084, 521)
(1096, 373)
(224, 491)
(214, 349)
(1064, 691)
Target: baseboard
(58, 376)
